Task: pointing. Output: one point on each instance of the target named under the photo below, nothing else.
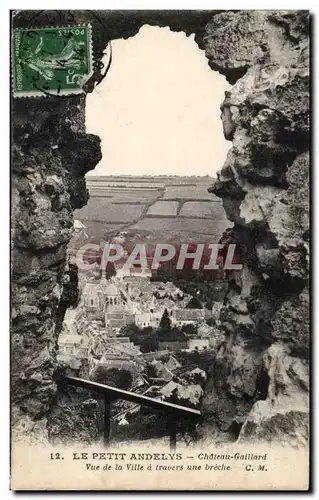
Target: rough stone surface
(47, 185)
(283, 416)
(260, 377)
(76, 416)
(259, 381)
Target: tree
(189, 329)
(209, 304)
(172, 335)
(110, 270)
(194, 303)
(149, 343)
(161, 274)
(211, 321)
(165, 323)
(146, 338)
(150, 371)
(132, 331)
(120, 378)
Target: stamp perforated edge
(62, 93)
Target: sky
(158, 109)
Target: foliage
(211, 321)
(144, 425)
(146, 338)
(131, 330)
(120, 378)
(161, 274)
(194, 303)
(173, 335)
(165, 323)
(196, 359)
(110, 270)
(209, 304)
(205, 290)
(189, 329)
(149, 343)
(150, 371)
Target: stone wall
(261, 376)
(260, 380)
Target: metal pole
(107, 421)
(172, 432)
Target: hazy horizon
(158, 109)
(93, 175)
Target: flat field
(188, 193)
(205, 209)
(166, 208)
(103, 210)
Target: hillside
(156, 208)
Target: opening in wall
(157, 112)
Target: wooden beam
(115, 393)
(172, 431)
(107, 421)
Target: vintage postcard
(160, 250)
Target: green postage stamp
(51, 61)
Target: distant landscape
(172, 208)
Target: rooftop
(92, 287)
(66, 338)
(189, 314)
(77, 224)
(111, 290)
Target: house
(123, 421)
(181, 317)
(78, 226)
(166, 290)
(204, 330)
(168, 389)
(139, 381)
(137, 286)
(145, 319)
(173, 345)
(162, 372)
(156, 316)
(116, 317)
(121, 356)
(216, 310)
(198, 344)
(78, 239)
(93, 299)
(180, 394)
(208, 313)
(72, 345)
(119, 340)
(172, 363)
(96, 329)
(134, 272)
(131, 351)
(168, 304)
(149, 356)
(111, 360)
(112, 293)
